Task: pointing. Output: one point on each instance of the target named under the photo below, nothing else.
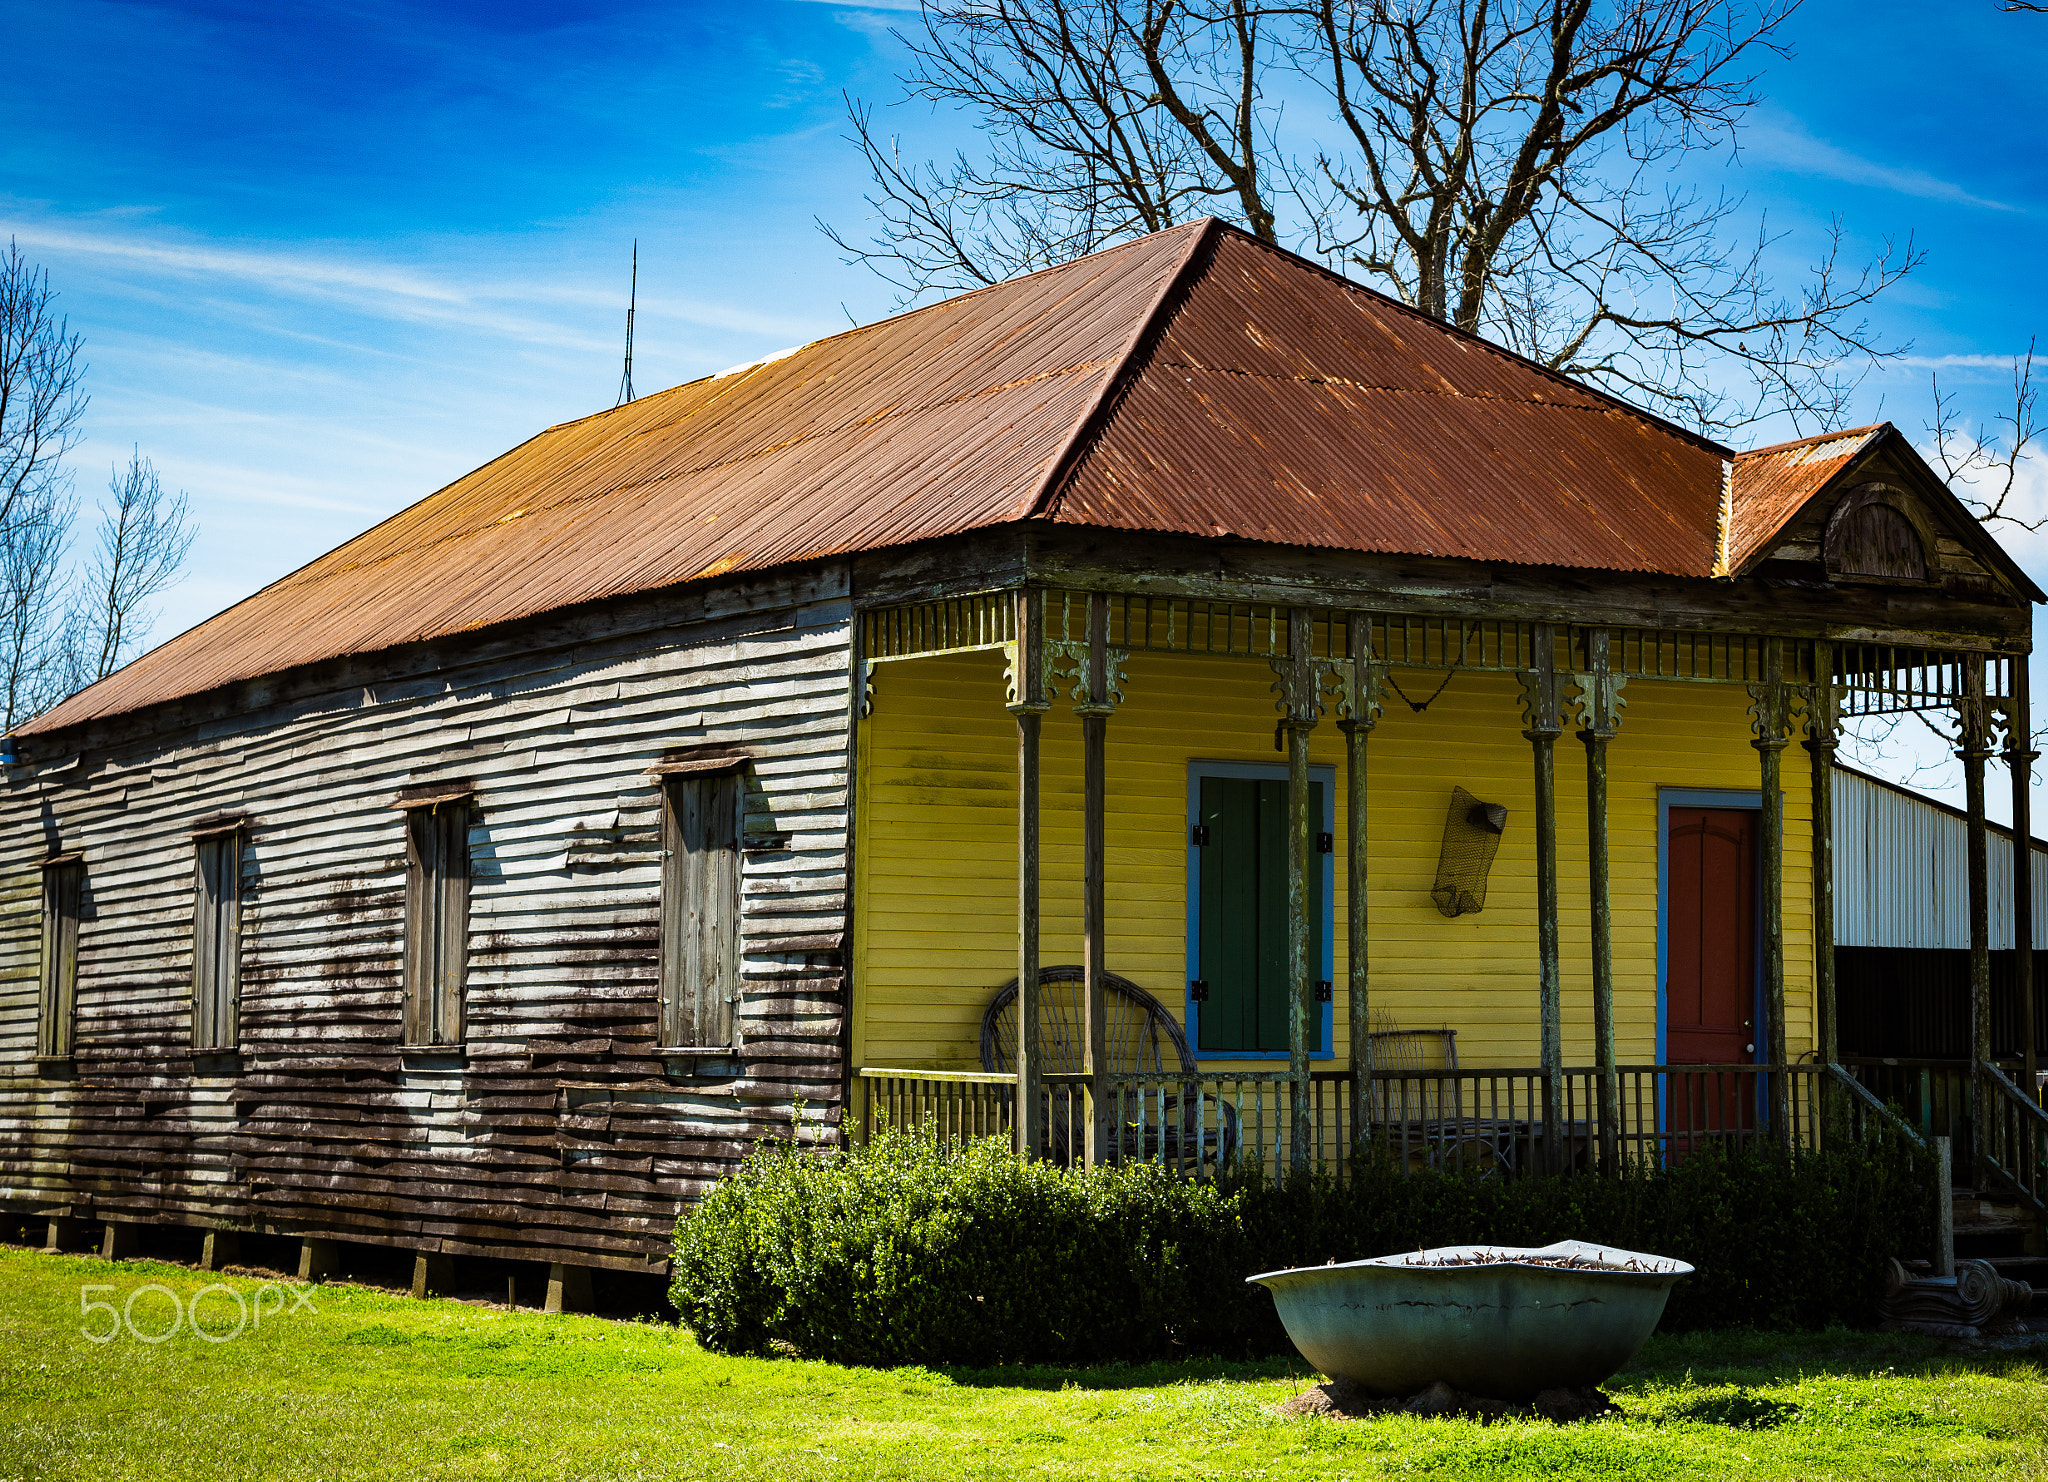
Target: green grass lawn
(374, 1384)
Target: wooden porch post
(1028, 704)
(1361, 712)
(1823, 733)
(1543, 714)
(1601, 714)
(1094, 711)
(2019, 758)
(1771, 724)
(1299, 682)
(1975, 736)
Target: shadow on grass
(1737, 1361)
(1150, 1375)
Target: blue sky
(328, 257)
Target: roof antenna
(632, 302)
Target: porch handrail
(2017, 1126)
(950, 1077)
(1870, 1103)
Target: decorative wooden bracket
(867, 688)
(1820, 707)
(1770, 703)
(1599, 700)
(1359, 683)
(1027, 666)
(1066, 662)
(1297, 687)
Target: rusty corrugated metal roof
(1772, 484)
(1280, 402)
(1193, 381)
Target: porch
(996, 835)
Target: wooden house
(1286, 691)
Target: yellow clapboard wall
(936, 853)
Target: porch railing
(2015, 1148)
(1491, 1121)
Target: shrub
(903, 1251)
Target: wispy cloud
(1784, 142)
(1959, 362)
(396, 293)
(910, 5)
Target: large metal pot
(1505, 1328)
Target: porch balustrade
(1488, 1121)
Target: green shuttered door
(1243, 904)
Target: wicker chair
(1142, 1039)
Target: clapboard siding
(560, 1133)
(936, 919)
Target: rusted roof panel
(1772, 484)
(927, 424)
(1282, 403)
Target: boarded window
(700, 910)
(1868, 538)
(436, 922)
(217, 942)
(1241, 942)
(63, 887)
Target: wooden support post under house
(1974, 734)
(1543, 717)
(1299, 681)
(1029, 704)
(1771, 726)
(1600, 714)
(61, 1233)
(1363, 688)
(568, 1288)
(1823, 735)
(2020, 757)
(220, 1248)
(1094, 711)
(317, 1258)
(433, 1274)
(121, 1241)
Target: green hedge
(906, 1252)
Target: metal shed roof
(1195, 381)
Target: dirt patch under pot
(1340, 1399)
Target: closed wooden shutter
(1242, 906)
(436, 923)
(63, 888)
(216, 942)
(700, 910)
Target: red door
(1710, 968)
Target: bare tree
(1983, 470)
(1504, 169)
(1104, 119)
(41, 395)
(62, 628)
(1502, 165)
(36, 662)
(144, 537)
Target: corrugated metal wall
(1902, 873)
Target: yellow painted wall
(936, 866)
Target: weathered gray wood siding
(559, 1134)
